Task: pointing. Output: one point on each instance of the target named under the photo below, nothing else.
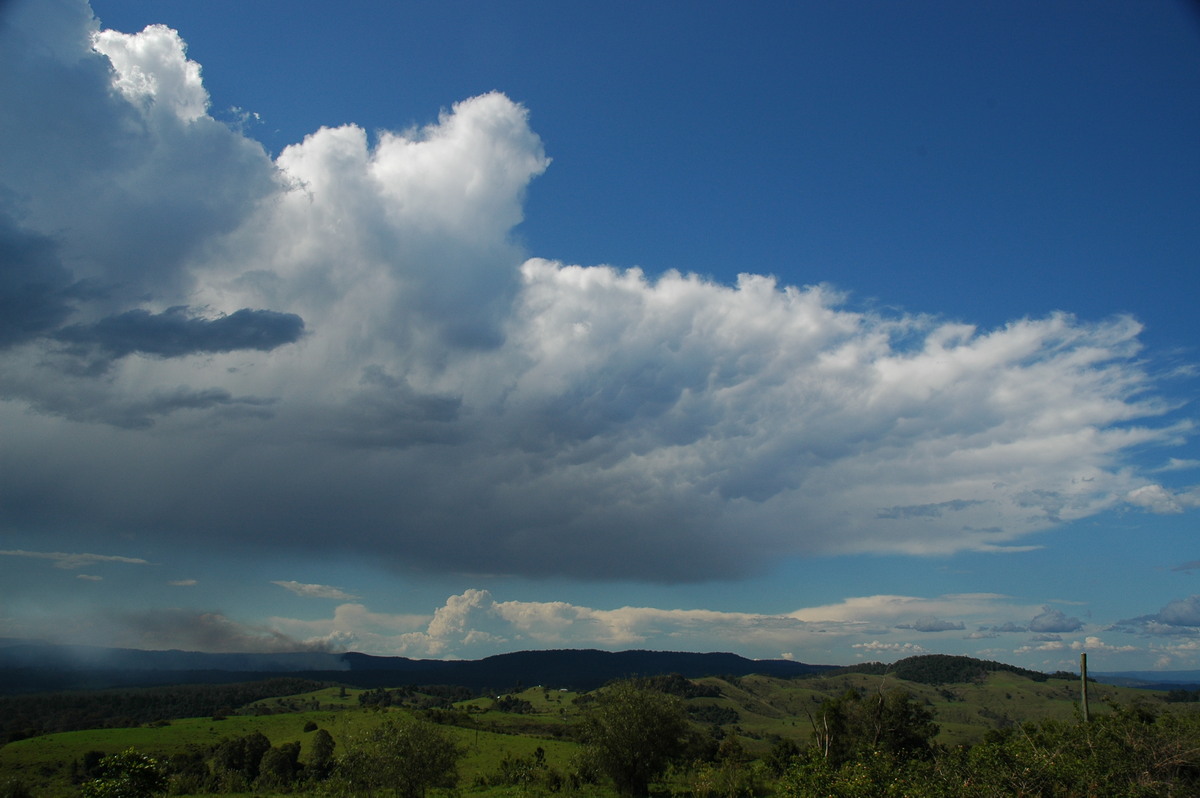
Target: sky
(833, 332)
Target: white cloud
(1047, 645)
(315, 591)
(454, 405)
(151, 67)
(474, 623)
(888, 610)
(1157, 499)
(1091, 643)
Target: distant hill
(580, 669)
(1151, 680)
(15, 653)
(33, 666)
(941, 669)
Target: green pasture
(44, 763)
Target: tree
(241, 756)
(406, 756)
(781, 756)
(631, 733)
(279, 766)
(890, 722)
(129, 774)
(320, 758)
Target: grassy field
(767, 709)
(44, 763)
(771, 708)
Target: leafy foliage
(1125, 754)
(631, 733)
(710, 713)
(321, 761)
(510, 703)
(424, 696)
(405, 756)
(889, 722)
(674, 684)
(128, 774)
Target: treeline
(1180, 695)
(46, 713)
(403, 756)
(421, 696)
(233, 765)
(938, 669)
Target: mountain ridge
(32, 665)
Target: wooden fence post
(1083, 678)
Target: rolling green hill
(757, 711)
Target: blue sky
(830, 331)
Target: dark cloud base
(177, 333)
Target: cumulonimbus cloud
(454, 404)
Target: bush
(407, 756)
(128, 774)
(631, 734)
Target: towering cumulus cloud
(343, 347)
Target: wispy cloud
(316, 591)
(73, 561)
(1179, 464)
(888, 610)
(876, 647)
